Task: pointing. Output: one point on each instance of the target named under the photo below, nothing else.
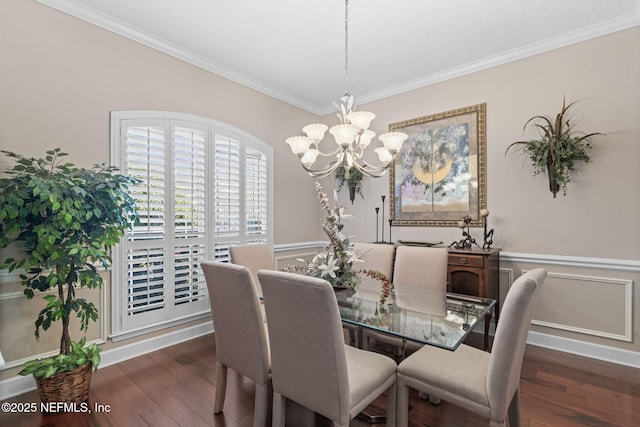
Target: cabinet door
(466, 280)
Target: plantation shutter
(168, 242)
(256, 200)
(189, 246)
(227, 200)
(202, 188)
(146, 260)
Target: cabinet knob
(463, 260)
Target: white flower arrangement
(337, 262)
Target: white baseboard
(20, 385)
(581, 348)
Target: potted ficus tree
(63, 221)
(558, 149)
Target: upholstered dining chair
(484, 383)
(421, 267)
(310, 362)
(414, 266)
(240, 333)
(254, 257)
(378, 257)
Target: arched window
(204, 186)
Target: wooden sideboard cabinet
(476, 272)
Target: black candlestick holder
(377, 217)
(382, 241)
(488, 236)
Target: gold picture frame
(440, 174)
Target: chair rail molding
(572, 261)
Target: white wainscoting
(18, 385)
(608, 285)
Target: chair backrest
(254, 257)
(421, 267)
(510, 339)
(308, 358)
(238, 321)
(377, 257)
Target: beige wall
(60, 77)
(600, 216)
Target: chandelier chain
(352, 135)
(346, 46)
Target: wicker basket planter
(69, 387)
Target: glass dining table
(420, 315)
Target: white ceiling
(294, 49)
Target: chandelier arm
(322, 173)
(357, 153)
(333, 153)
(328, 170)
(366, 164)
(370, 170)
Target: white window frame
(123, 326)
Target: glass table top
(417, 314)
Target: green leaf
(92, 211)
(51, 370)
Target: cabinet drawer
(462, 259)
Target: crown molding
(547, 45)
(89, 15)
(84, 13)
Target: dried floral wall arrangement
(558, 149)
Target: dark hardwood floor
(175, 387)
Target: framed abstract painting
(439, 175)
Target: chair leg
(358, 337)
(221, 387)
(392, 401)
(364, 341)
(261, 406)
(402, 405)
(353, 338)
(279, 407)
(514, 410)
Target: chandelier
(352, 135)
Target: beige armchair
(240, 333)
(484, 383)
(414, 266)
(311, 364)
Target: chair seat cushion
(368, 371)
(465, 373)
